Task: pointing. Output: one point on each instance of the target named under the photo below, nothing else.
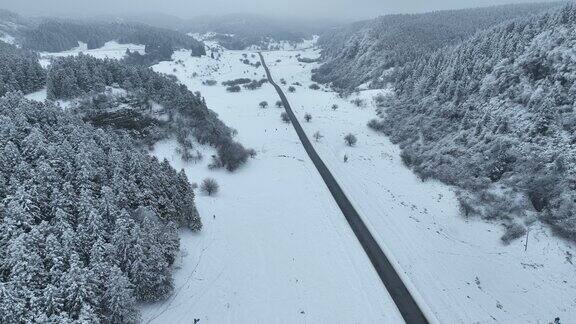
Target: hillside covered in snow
(365, 52)
(495, 116)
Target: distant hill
(238, 31)
(56, 35)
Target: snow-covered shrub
(209, 82)
(236, 82)
(234, 88)
(350, 140)
(255, 84)
(513, 231)
(358, 102)
(232, 156)
(252, 153)
(209, 186)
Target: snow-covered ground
(458, 267)
(275, 247)
(112, 50)
(7, 38)
(278, 250)
(39, 95)
(272, 44)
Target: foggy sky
(338, 9)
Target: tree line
(57, 35)
(19, 70)
(187, 112)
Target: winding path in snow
(404, 301)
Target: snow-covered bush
(209, 82)
(236, 82)
(234, 88)
(350, 140)
(209, 186)
(358, 102)
(255, 84)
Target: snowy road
(265, 256)
(399, 293)
(456, 267)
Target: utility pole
(526, 243)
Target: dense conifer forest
(60, 35)
(19, 70)
(495, 116)
(365, 52)
(88, 220)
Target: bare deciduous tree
(317, 136)
(209, 186)
(350, 140)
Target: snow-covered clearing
(7, 38)
(39, 95)
(275, 247)
(111, 50)
(459, 268)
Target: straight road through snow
(404, 301)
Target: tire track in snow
(406, 304)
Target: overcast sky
(349, 9)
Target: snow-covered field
(7, 38)
(458, 267)
(275, 247)
(112, 50)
